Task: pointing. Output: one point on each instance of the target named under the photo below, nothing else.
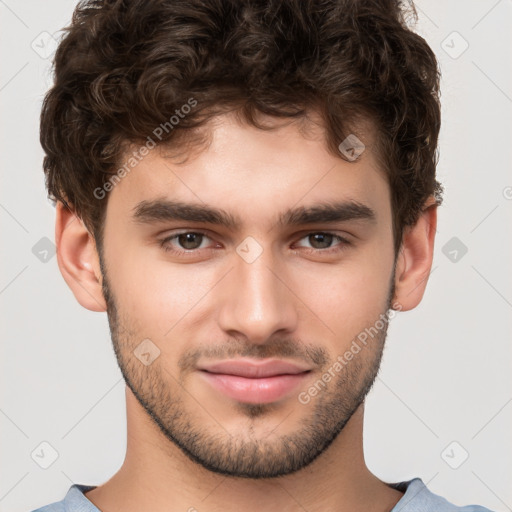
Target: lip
(251, 369)
(256, 383)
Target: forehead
(252, 171)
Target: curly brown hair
(125, 67)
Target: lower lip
(254, 391)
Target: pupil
(323, 238)
(187, 240)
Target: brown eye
(189, 240)
(183, 242)
(321, 240)
(324, 242)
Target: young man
(248, 189)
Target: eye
(189, 243)
(322, 242)
(185, 242)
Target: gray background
(446, 371)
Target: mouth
(250, 382)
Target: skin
(190, 447)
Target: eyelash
(165, 243)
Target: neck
(157, 475)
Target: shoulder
(74, 501)
(418, 498)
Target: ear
(415, 258)
(78, 259)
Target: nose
(257, 302)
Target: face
(279, 252)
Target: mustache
(235, 348)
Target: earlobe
(78, 260)
(415, 259)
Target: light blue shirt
(416, 498)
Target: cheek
(157, 295)
(350, 296)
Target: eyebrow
(161, 210)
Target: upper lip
(252, 369)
